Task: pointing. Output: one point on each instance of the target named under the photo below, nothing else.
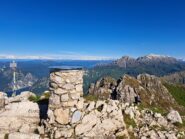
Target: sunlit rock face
(19, 114)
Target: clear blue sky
(97, 28)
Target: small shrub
(34, 98)
(47, 95)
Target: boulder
(22, 97)
(174, 117)
(16, 115)
(162, 121)
(25, 128)
(41, 130)
(88, 122)
(104, 128)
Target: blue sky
(92, 29)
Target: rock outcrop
(147, 87)
(174, 117)
(104, 88)
(19, 116)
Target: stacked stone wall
(66, 101)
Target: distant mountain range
(151, 59)
(151, 64)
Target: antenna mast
(13, 66)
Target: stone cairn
(66, 101)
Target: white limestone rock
(64, 97)
(51, 116)
(75, 96)
(80, 104)
(64, 133)
(60, 91)
(91, 106)
(18, 135)
(17, 114)
(54, 100)
(68, 86)
(174, 117)
(25, 128)
(24, 96)
(88, 122)
(62, 116)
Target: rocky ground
(111, 115)
(112, 119)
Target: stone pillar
(66, 87)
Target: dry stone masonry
(66, 86)
(66, 101)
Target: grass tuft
(129, 121)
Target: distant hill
(176, 78)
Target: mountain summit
(151, 59)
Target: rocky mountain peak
(149, 87)
(157, 58)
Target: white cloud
(62, 56)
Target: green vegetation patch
(181, 127)
(34, 98)
(129, 121)
(121, 137)
(37, 98)
(159, 110)
(47, 95)
(132, 82)
(91, 98)
(178, 92)
(155, 109)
